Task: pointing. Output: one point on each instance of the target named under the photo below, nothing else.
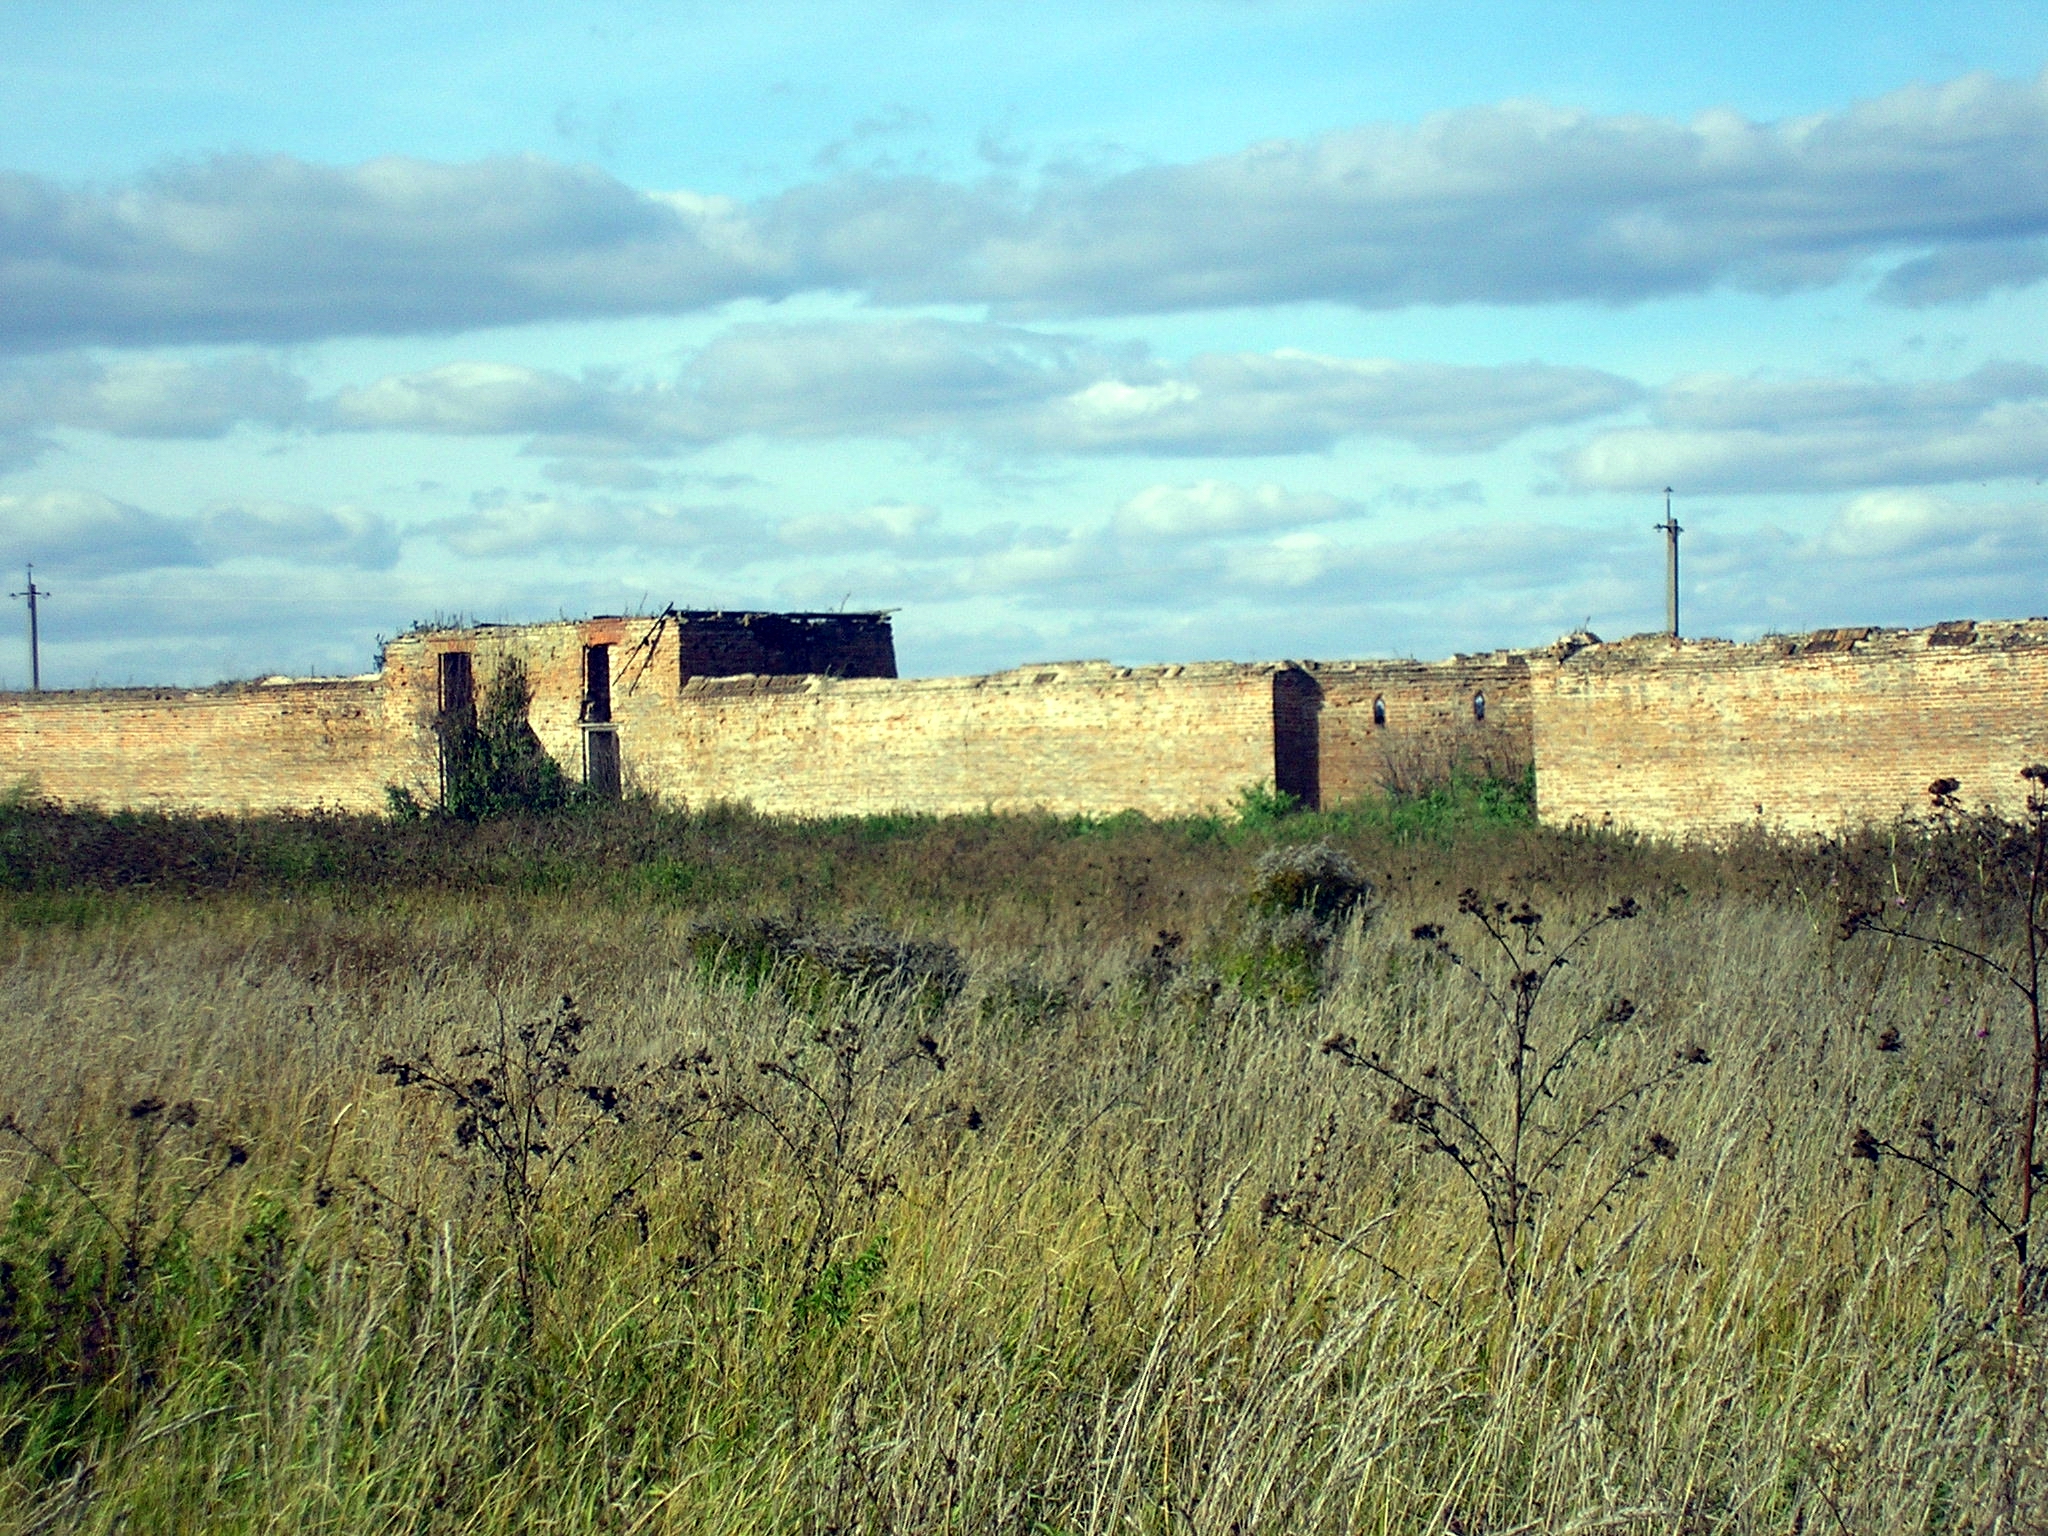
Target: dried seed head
(1663, 1146)
(1864, 1145)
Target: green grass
(1102, 1234)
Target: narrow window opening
(597, 684)
(458, 685)
(1478, 706)
(1379, 711)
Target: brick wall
(1070, 738)
(1805, 734)
(238, 747)
(1430, 727)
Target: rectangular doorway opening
(455, 716)
(600, 741)
(601, 762)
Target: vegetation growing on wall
(492, 762)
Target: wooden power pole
(35, 646)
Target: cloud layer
(1516, 203)
(1002, 388)
(88, 534)
(1715, 432)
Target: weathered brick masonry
(1405, 724)
(816, 722)
(1806, 734)
(238, 747)
(1671, 738)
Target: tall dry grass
(1139, 1257)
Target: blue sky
(1148, 331)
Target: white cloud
(999, 387)
(1525, 203)
(95, 535)
(242, 247)
(92, 534)
(1923, 535)
(459, 399)
(1715, 432)
(141, 397)
(1514, 203)
(1212, 507)
(511, 528)
(891, 524)
(347, 537)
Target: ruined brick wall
(1429, 722)
(1072, 737)
(1069, 738)
(1806, 734)
(238, 747)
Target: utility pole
(1670, 529)
(35, 648)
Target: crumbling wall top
(1660, 652)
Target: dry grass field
(707, 1175)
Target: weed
(95, 1274)
(822, 1100)
(527, 1112)
(1261, 805)
(821, 963)
(1316, 879)
(1999, 846)
(1516, 1146)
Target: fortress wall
(1805, 734)
(1430, 724)
(1068, 738)
(236, 747)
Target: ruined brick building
(803, 714)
